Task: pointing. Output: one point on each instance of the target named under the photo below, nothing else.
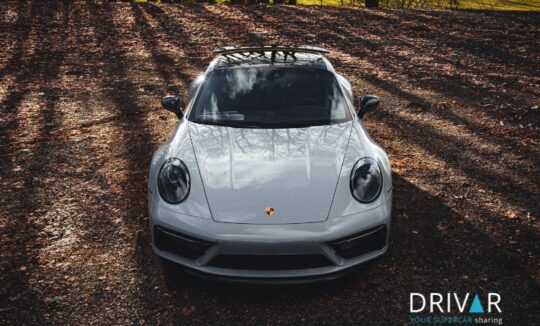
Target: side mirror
(172, 103)
(368, 103)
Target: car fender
(179, 146)
(360, 145)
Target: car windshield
(270, 97)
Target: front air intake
(178, 243)
(360, 243)
(270, 262)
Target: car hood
(270, 176)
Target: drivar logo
(456, 309)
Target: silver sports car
(270, 175)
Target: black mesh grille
(270, 262)
(179, 244)
(360, 243)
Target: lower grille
(360, 243)
(179, 244)
(269, 262)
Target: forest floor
(80, 90)
(526, 5)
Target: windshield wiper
(274, 125)
(301, 124)
(235, 124)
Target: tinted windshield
(270, 98)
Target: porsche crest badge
(269, 210)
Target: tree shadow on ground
(21, 163)
(437, 245)
(384, 48)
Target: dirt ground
(80, 87)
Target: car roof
(304, 56)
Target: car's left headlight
(366, 180)
(173, 181)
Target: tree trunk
(372, 3)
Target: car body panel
(180, 146)
(294, 171)
(359, 146)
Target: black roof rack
(297, 49)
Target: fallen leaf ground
(80, 85)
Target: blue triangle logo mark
(476, 307)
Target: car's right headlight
(366, 180)
(173, 181)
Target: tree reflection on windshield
(270, 97)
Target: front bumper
(305, 241)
